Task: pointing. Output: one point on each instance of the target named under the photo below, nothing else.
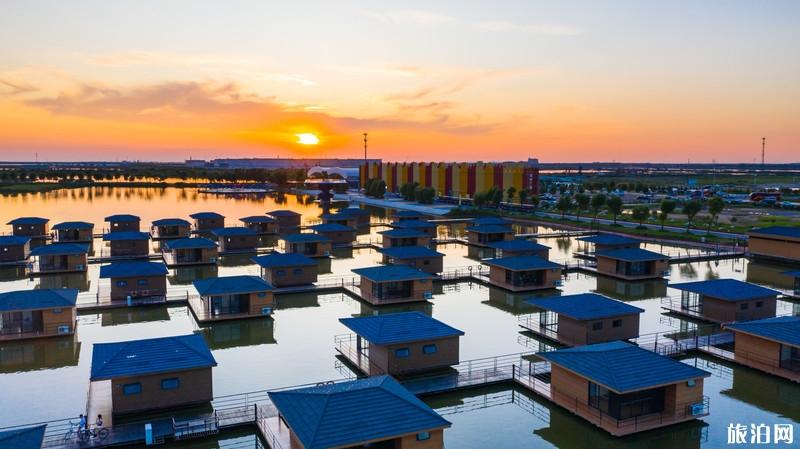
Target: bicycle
(98, 433)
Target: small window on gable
(430, 349)
(171, 383)
(616, 323)
(402, 353)
(141, 282)
(131, 389)
(744, 306)
(759, 304)
(423, 436)
(297, 271)
(597, 326)
(122, 283)
(280, 273)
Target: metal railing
(481, 371)
(10, 331)
(346, 344)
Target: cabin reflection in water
(762, 390)
(513, 303)
(187, 275)
(631, 290)
(234, 334)
(79, 281)
(33, 355)
(130, 315)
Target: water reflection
(631, 291)
(12, 273)
(187, 275)
(239, 333)
(79, 281)
(514, 303)
(31, 355)
(769, 274)
(134, 315)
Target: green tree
(715, 207)
(614, 204)
(511, 192)
(479, 199)
(582, 201)
(534, 200)
(667, 207)
(691, 209)
(597, 203)
(564, 204)
(523, 196)
(640, 213)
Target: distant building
(207, 221)
(276, 163)
(122, 222)
(73, 231)
(775, 242)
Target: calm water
(295, 346)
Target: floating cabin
(775, 242)
(287, 270)
(14, 249)
(59, 258)
(29, 227)
(288, 220)
(236, 239)
(771, 345)
(363, 217)
(419, 257)
(724, 300)
(340, 218)
(190, 251)
(232, 297)
(632, 264)
(583, 319)
(353, 414)
(524, 273)
(404, 215)
(207, 221)
(135, 280)
(392, 284)
(336, 233)
(73, 231)
(483, 235)
(401, 343)
(23, 438)
(170, 228)
(140, 376)
(404, 237)
(625, 389)
(260, 224)
(519, 247)
(123, 222)
(37, 313)
(425, 227)
(606, 242)
(307, 244)
(128, 243)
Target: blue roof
(171, 222)
(121, 218)
(783, 329)
(792, 273)
(10, 240)
(240, 230)
(410, 252)
(133, 268)
(414, 224)
(489, 221)
(518, 245)
(25, 438)
(189, 243)
(257, 219)
(403, 233)
(349, 413)
(585, 306)
(283, 260)
(519, 263)
(383, 273)
(125, 235)
(305, 237)
(632, 254)
(28, 221)
(283, 213)
(623, 367)
(489, 229)
(332, 227)
(57, 249)
(206, 215)
(782, 231)
(403, 327)
(73, 225)
(726, 289)
(231, 284)
(407, 213)
(45, 298)
(609, 239)
(353, 211)
(150, 356)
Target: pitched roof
(414, 224)
(133, 268)
(189, 243)
(56, 249)
(407, 213)
(403, 233)
(257, 219)
(489, 229)
(171, 222)
(45, 298)
(125, 235)
(305, 237)
(332, 227)
(283, 260)
(150, 356)
(489, 221)
(622, 367)
(13, 240)
(25, 438)
(783, 329)
(283, 213)
(782, 231)
(238, 230)
(609, 239)
(354, 211)
(231, 284)
(519, 263)
(202, 215)
(349, 413)
(632, 254)
(122, 218)
(726, 289)
(28, 221)
(409, 252)
(402, 327)
(518, 245)
(792, 273)
(585, 306)
(383, 273)
(73, 225)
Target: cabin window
(262, 294)
(744, 306)
(616, 323)
(297, 271)
(57, 310)
(790, 358)
(402, 353)
(280, 273)
(426, 262)
(430, 349)
(131, 389)
(597, 326)
(170, 384)
(423, 436)
(141, 282)
(122, 283)
(759, 304)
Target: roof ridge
(180, 338)
(322, 413)
(417, 404)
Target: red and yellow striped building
(455, 178)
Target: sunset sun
(307, 139)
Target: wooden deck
(99, 402)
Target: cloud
(547, 29)
(14, 87)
